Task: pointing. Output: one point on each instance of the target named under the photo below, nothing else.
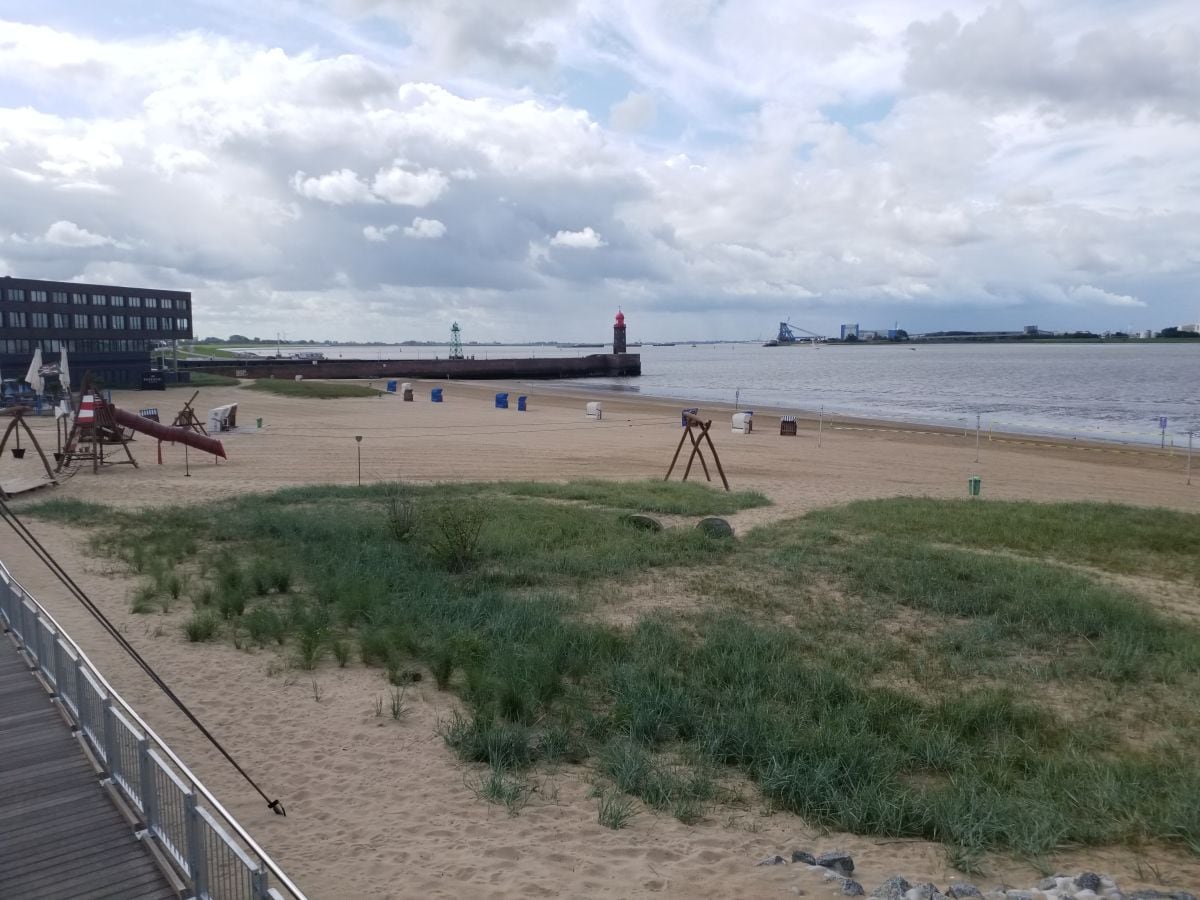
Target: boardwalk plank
(61, 835)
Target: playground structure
(187, 418)
(99, 426)
(16, 425)
(696, 429)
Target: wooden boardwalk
(61, 834)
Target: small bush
(341, 652)
(613, 810)
(402, 512)
(202, 626)
(264, 624)
(457, 527)
(501, 788)
(144, 599)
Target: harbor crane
(787, 335)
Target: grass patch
(868, 668)
(319, 390)
(651, 496)
(202, 626)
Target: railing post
(197, 859)
(59, 675)
(260, 884)
(147, 784)
(111, 759)
(45, 648)
(81, 700)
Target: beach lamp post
(358, 447)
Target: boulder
(961, 889)
(715, 527)
(803, 856)
(837, 860)
(771, 861)
(892, 889)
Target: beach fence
(205, 847)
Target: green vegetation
(207, 350)
(320, 390)
(907, 668)
(681, 499)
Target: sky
(376, 169)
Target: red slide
(169, 432)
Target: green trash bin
(259, 421)
(973, 485)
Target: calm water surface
(1116, 391)
(1105, 391)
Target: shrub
(202, 626)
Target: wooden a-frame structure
(700, 433)
(187, 418)
(17, 415)
(93, 429)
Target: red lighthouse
(619, 333)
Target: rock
(771, 861)
(1088, 881)
(648, 523)
(803, 856)
(715, 527)
(1020, 895)
(1086, 894)
(959, 889)
(892, 889)
(921, 891)
(842, 863)
(1048, 884)
(851, 888)
(1161, 895)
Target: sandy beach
(379, 808)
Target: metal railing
(210, 852)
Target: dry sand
(379, 808)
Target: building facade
(108, 331)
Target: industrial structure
(108, 330)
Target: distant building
(850, 331)
(1193, 329)
(107, 330)
(1147, 334)
(1031, 329)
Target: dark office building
(108, 331)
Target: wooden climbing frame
(187, 418)
(697, 431)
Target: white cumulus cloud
(68, 234)
(425, 229)
(379, 235)
(339, 188)
(1093, 296)
(581, 240)
(405, 188)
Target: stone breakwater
(836, 868)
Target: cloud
(400, 186)
(68, 234)
(338, 188)
(1094, 296)
(379, 235)
(580, 240)
(425, 229)
(635, 112)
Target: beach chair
(787, 425)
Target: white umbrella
(34, 375)
(64, 374)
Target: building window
(99, 300)
(81, 320)
(99, 321)
(166, 323)
(79, 299)
(135, 302)
(151, 303)
(135, 323)
(16, 320)
(59, 296)
(117, 301)
(152, 323)
(38, 296)
(51, 345)
(16, 294)
(40, 320)
(62, 320)
(14, 346)
(118, 323)
(181, 324)
(181, 305)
